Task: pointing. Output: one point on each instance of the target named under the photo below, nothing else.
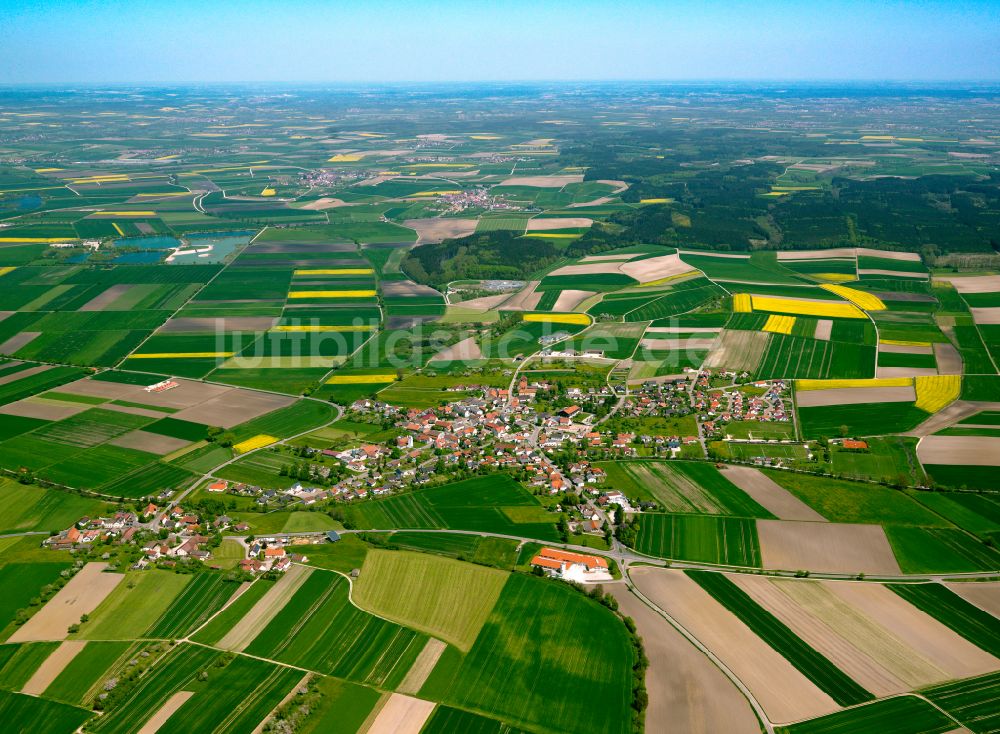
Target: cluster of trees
(497, 255)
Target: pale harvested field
(593, 202)
(234, 407)
(422, 666)
(402, 715)
(24, 373)
(971, 450)
(986, 315)
(655, 268)
(835, 253)
(949, 360)
(620, 186)
(544, 225)
(105, 299)
(18, 341)
(168, 709)
(254, 621)
(824, 327)
(891, 273)
(466, 349)
(186, 394)
(606, 258)
(784, 693)
(945, 649)
(79, 596)
(399, 288)
(950, 415)
(586, 268)
(189, 324)
(326, 202)
(904, 349)
(883, 372)
(677, 344)
(973, 283)
(525, 299)
(832, 547)
(687, 693)
(887, 254)
(151, 442)
(547, 182)
(655, 330)
(485, 303)
(985, 595)
(52, 666)
(570, 299)
(738, 350)
(772, 496)
(438, 229)
(855, 396)
(132, 410)
(723, 255)
(48, 410)
(856, 644)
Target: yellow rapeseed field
(867, 301)
(9, 268)
(346, 158)
(552, 235)
(843, 384)
(903, 343)
(257, 442)
(118, 229)
(436, 193)
(655, 201)
(581, 319)
(827, 309)
(333, 294)
(779, 324)
(268, 192)
(936, 391)
(360, 379)
(668, 279)
(742, 303)
(336, 271)
(835, 277)
(181, 355)
(485, 137)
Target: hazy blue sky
(444, 40)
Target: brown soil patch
(687, 692)
(544, 225)
(772, 496)
(904, 349)
(438, 229)
(254, 621)
(46, 410)
(855, 396)
(738, 350)
(882, 372)
(987, 316)
(402, 715)
(965, 450)
(892, 273)
(422, 666)
(151, 442)
(18, 341)
(216, 325)
(53, 665)
(327, 202)
(79, 596)
(620, 186)
(548, 182)
(586, 268)
(950, 415)
(887, 255)
(131, 409)
(856, 644)
(973, 284)
(467, 349)
(24, 373)
(949, 360)
(784, 693)
(655, 268)
(656, 330)
(945, 649)
(985, 595)
(525, 299)
(606, 258)
(593, 202)
(186, 394)
(168, 709)
(824, 327)
(832, 547)
(570, 299)
(486, 303)
(399, 288)
(105, 299)
(234, 407)
(835, 253)
(677, 344)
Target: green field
(19, 662)
(80, 682)
(215, 630)
(722, 540)
(940, 550)
(972, 701)
(978, 627)
(543, 666)
(898, 715)
(30, 715)
(775, 633)
(342, 709)
(446, 720)
(22, 582)
(869, 419)
(199, 599)
(26, 508)
(429, 593)
(128, 611)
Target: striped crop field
(361, 379)
(848, 384)
(903, 343)
(936, 391)
(867, 301)
(742, 303)
(729, 541)
(181, 355)
(779, 324)
(579, 319)
(334, 271)
(333, 294)
(259, 441)
(832, 309)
